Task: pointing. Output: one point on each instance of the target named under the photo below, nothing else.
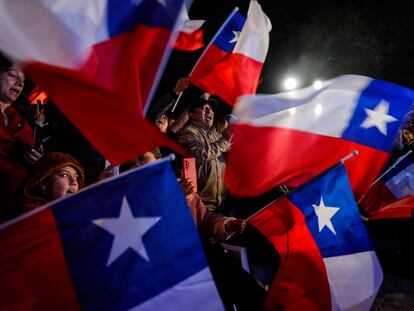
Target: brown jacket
(208, 147)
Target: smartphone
(190, 171)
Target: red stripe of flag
(33, 272)
(270, 151)
(301, 282)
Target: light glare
(318, 110)
(317, 84)
(290, 84)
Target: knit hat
(48, 165)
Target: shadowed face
(146, 158)
(162, 123)
(407, 137)
(11, 84)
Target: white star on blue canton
(236, 36)
(378, 117)
(127, 231)
(325, 213)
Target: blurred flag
(191, 34)
(120, 245)
(98, 60)
(231, 65)
(403, 208)
(291, 137)
(392, 196)
(37, 96)
(326, 259)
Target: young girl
(53, 176)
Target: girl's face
(64, 182)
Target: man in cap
(208, 146)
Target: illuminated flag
(232, 63)
(393, 195)
(326, 259)
(99, 62)
(191, 34)
(289, 138)
(128, 243)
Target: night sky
(318, 40)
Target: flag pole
(236, 9)
(176, 101)
(340, 162)
(391, 168)
(383, 174)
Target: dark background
(317, 40)
(322, 40)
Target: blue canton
(225, 40)
(400, 100)
(172, 243)
(351, 235)
(124, 15)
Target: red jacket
(15, 139)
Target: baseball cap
(199, 102)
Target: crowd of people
(44, 161)
(40, 164)
(23, 160)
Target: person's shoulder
(189, 129)
(213, 131)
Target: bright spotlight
(290, 84)
(317, 84)
(318, 110)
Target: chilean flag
(289, 138)
(327, 261)
(191, 34)
(231, 65)
(403, 208)
(128, 243)
(98, 60)
(393, 195)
